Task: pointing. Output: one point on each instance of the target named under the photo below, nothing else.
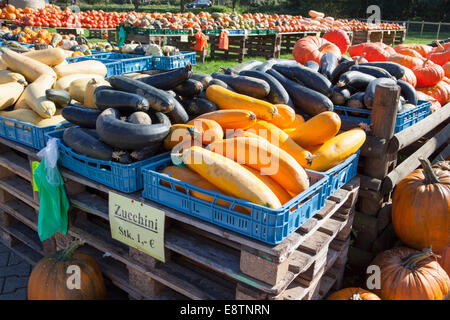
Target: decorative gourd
(420, 207)
(229, 176)
(313, 48)
(353, 294)
(428, 74)
(48, 280)
(339, 37)
(407, 274)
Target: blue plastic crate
(123, 177)
(267, 225)
(404, 119)
(173, 62)
(26, 133)
(27, 45)
(341, 174)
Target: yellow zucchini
(53, 121)
(9, 76)
(28, 67)
(83, 67)
(50, 56)
(337, 149)
(9, 93)
(35, 98)
(229, 176)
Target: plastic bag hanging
(223, 40)
(200, 41)
(53, 202)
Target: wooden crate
(268, 46)
(400, 36)
(70, 31)
(236, 48)
(178, 41)
(288, 41)
(100, 32)
(389, 37)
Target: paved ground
(14, 273)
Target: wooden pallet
(389, 37)
(236, 48)
(361, 36)
(268, 46)
(400, 36)
(187, 46)
(70, 31)
(99, 33)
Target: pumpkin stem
(414, 258)
(356, 296)
(430, 176)
(71, 248)
(425, 62)
(440, 46)
(360, 58)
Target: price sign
(318, 34)
(138, 225)
(184, 38)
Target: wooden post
(421, 29)
(439, 30)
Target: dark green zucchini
(356, 100)
(204, 78)
(345, 58)
(314, 66)
(340, 69)
(250, 86)
(395, 69)
(158, 100)
(311, 79)
(146, 152)
(81, 116)
(127, 103)
(170, 79)
(178, 114)
(220, 83)
(140, 117)
(60, 97)
(369, 94)
(408, 92)
(373, 71)
(122, 156)
(129, 136)
(328, 63)
(304, 99)
(248, 65)
(198, 106)
(264, 66)
(355, 79)
(339, 96)
(230, 71)
(84, 143)
(189, 88)
(277, 94)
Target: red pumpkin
(375, 51)
(406, 61)
(339, 37)
(313, 48)
(407, 274)
(423, 49)
(356, 50)
(409, 77)
(48, 280)
(441, 54)
(421, 206)
(428, 74)
(440, 91)
(409, 52)
(353, 294)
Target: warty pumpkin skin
(428, 74)
(353, 294)
(421, 207)
(407, 274)
(48, 280)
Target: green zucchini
(250, 86)
(60, 97)
(355, 79)
(81, 116)
(86, 144)
(198, 106)
(356, 100)
(189, 88)
(127, 103)
(312, 65)
(140, 117)
(146, 152)
(129, 136)
(408, 92)
(340, 69)
(328, 63)
(220, 83)
(339, 96)
(178, 114)
(203, 78)
(170, 79)
(395, 69)
(370, 70)
(369, 94)
(158, 100)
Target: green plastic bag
(53, 201)
(122, 37)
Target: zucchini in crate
(328, 63)
(376, 72)
(170, 79)
(129, 136)
(92, 86)
(355, 79)
(86, 144)
(395, 69)
(60, 97)
(125, 102)
(158, 100)
(249, 86)
(146, 152)
(408, 92)
(369, 94)
(189, 89)
(84, 117)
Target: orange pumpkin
(312, 48)
(339, 37)
(77, 54)
(446, 68)
(353, 294)
(423, 49)
(440, 91)
(435, 105)
(407, 274)
(444, 259)
(428, 74)
(410, 77)
(48, 280)
(406, 61)
(421, 206)
(441, 55)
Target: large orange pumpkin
(446, 68)
(312, 48)
(423, 49)
(353, 294)
(435, 105)
(410, 77)
(407, 274)
(49, 278)
(421, 206)
(339, 37)
(444, 259)
(406, 61)
(409, 52)
(440, 91)
(428, 74)
(441, 54)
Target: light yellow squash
(50, 56)
(9, 93)
(10, 76)
(90, 89)
(35, 98)
(83, 67)
(64, 83)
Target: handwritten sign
(318, 34)
(34, 166)
(138, 225)
(184, 38)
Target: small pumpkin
(407, 274)
(48, 280)
(421, 206)
(353, 294)
(428, 74)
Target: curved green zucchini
(86, 144)
(170, 79)
(249, 86)
(81, 116)
(127, 103)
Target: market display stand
(203, 261)
(386, 158)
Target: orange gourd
(428, 74)
(312, 48)
(285, 116)
(231, 119)
(406, 61)
(444, 259)
(210, 129)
